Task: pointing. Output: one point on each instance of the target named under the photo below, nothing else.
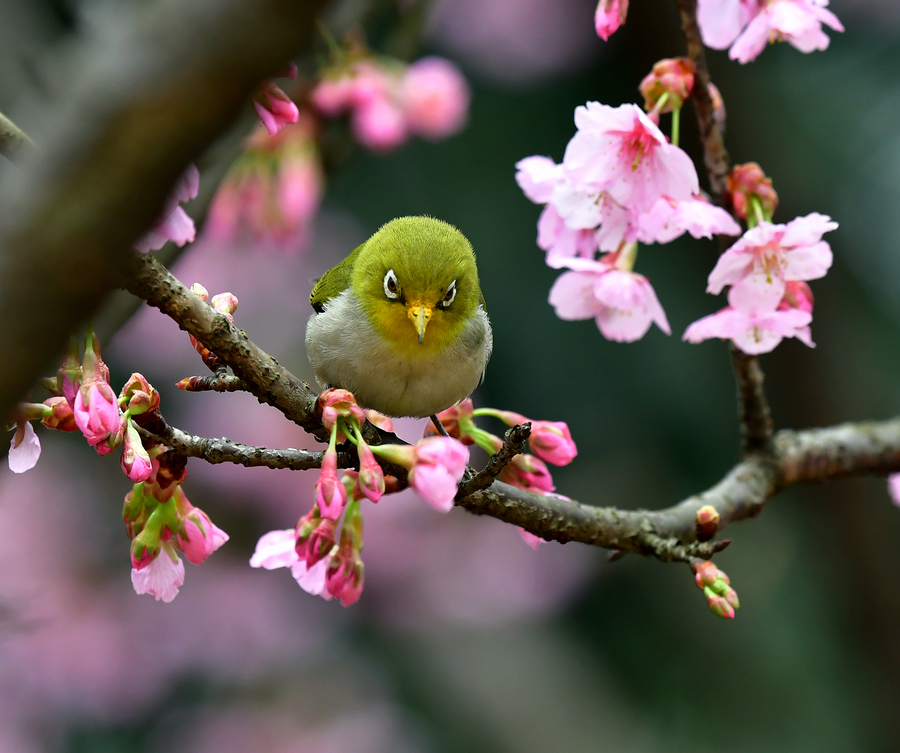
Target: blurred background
(465, 639)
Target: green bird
(401, 322)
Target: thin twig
(212, 383)
(14, 143)
(513, 444)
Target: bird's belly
(345, 351)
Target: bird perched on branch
(401, 322)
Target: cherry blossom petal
(162, 577)
(537, 177)
(809, 263)
(721, 21)
(894, 487)
(312, 579)
(24, 448)
(807, 230)
(529, 538)
(630, 306)
(275, 549)
(757, 291)
(732, 267)
(572, 296)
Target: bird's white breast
(346, 351)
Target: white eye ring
(391, 286)
(450, 295)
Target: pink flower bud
(174, 223)
(274, 107)
(672, 76)
(529, 473)
(135, 460)
(200, 537)
(331, 496)
(380, 420)
(96, 412)
(609, 16)
(319, 543)
(138, 395)
(707, 522)
(435, 98)
(797, 295)
(439, 465)
(552, 442)
(62, 417)
(720, 607)
(198, 290)
(371, 477)
(454, 420)
(224, 303)
(337, 402)
(746, 182)
(344, 578)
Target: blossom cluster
(158, 516)
(620, 182)
(388, 101)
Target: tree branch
(144, 100)
(669, 534)
(14, 143)
(513, 443)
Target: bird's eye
(391, 286)
(449, 295)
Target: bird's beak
(419, 314)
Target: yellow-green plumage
(401, 321)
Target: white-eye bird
(401, 322)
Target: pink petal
(630, 305)
(24, 455)
(809, 263)
(537, 177)
(894, 487)
(435, 98)
(313, 579)
(162, 577)
(808, 230)
(572, 296)
(721, 21)
(752, 40)
(757, 291)
(275, 549)
(529, 538)
(578, 208)
(733, 265)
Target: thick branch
(212, 383)
(143, 102)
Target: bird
(401, 322)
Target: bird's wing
(334, 282)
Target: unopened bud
(707, 522)
(746, 183)
(673, 77)
(62, 416)
(198, 290)
(224, 303)
(797, 295)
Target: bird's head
(417, 282)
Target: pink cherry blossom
(668, 219)
(275, 108)
(623, 304)
(528, 472)
(439, 465)
(538, 177)
(721, 21)
(99, 417)
(174, 223)
(135, 460)
(162, 577)
(24, 448)
(332, 96)
(621, 151)
(758, 265)
(754, 332)
(798, 22)
(609, 16)
(529, 538)
(435, 98)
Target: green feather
(334, 282)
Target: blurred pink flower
(379, 125)
(24, 448)
(621, 151)
(162, 577)
(439, 466)
(275, 108)
(797, 295)
(754, 332)
(174, 224)
(721, 21)
(334, 95)
(798, 22)
(894, 487)
(275, 549)
(609, 16)
(312, 579)
(435, 98)
(623, 303)
(758, 265)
